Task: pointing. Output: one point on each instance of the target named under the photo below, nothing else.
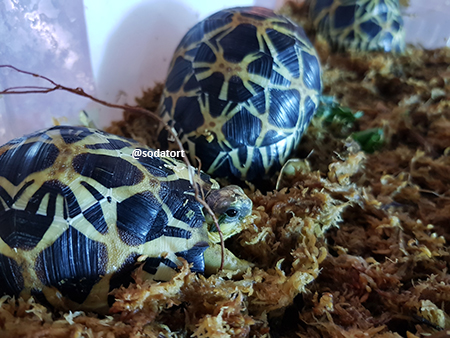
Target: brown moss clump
(140, 127)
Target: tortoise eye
(231, 212)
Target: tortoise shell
(368, 25)
(77, 210)
(241, 89)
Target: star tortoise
(366, 25)
(241, 89)
(77, 210)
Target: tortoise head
(230, 206)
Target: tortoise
(77, 210)
(242, 87)
(366, 25)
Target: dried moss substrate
(351, 245)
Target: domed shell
(241, 89)
(368, 25)
(77, 210)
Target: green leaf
(370, 139)
(333, 112)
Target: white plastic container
(116, 49)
